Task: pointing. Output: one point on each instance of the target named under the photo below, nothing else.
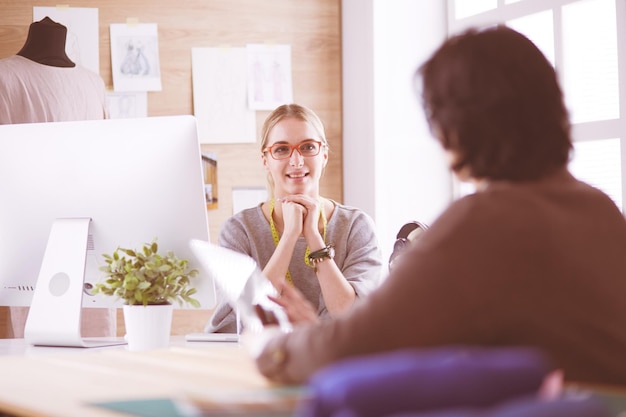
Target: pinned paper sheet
(219, 96)
(127, 104)
(135, 57)
(248, 197)
(269, 76)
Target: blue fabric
(415, 380)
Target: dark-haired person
(534, 257)
(321, 255)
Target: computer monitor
(135, 179)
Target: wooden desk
(63, 382)
(51, 382)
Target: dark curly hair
(495, 102)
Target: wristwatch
(327, 252)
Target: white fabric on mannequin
(31, 92)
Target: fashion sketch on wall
(135, 57)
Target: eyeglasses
(284, 150)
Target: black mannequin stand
(46, 44)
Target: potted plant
(148, 283)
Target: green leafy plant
(146, 277)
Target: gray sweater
(356, 254)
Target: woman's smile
(297, 175)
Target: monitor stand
(55, 311)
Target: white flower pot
(148, 327)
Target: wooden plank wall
(311, 27)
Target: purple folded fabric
(525, 407)
(415, 380)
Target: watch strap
(327, 252)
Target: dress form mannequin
(45, 44)
(41, 84)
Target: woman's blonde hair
(292, 111)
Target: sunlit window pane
(598, 162)
(461, 189)
(539, 28)
(466, 8)
(590, 77)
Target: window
(589, 70)
(597, 162)
(539, 28)
(465, 8)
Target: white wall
(393, 168)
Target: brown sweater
(538, 263)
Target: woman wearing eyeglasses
(320, 255)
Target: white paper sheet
(247, 197)
(81, 43)
(125, 104)
(219, 96)
(269, 76)
(135, 57)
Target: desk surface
(66, 382)
(50, 382)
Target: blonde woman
(320, 255)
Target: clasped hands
(300, 215)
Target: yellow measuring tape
(277, 238)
